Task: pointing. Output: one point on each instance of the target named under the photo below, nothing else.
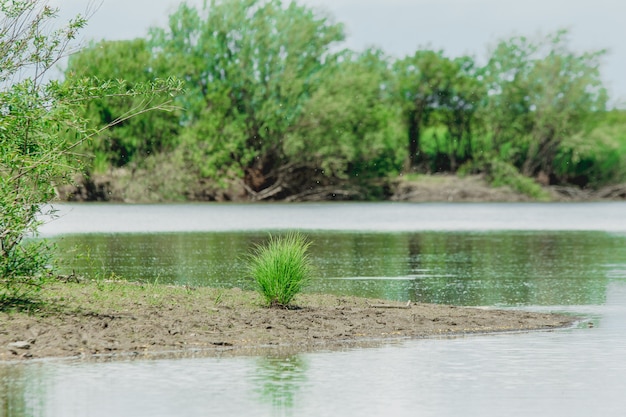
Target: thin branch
(54, 153)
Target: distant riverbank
(141, 187)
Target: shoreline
(425, 188)
(97, 320)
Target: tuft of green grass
(281, 268)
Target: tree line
(273, 103)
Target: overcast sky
(399, 27)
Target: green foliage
(594, 158)
(246, 83)
(540, 93)
(23, 272)
(420, 81)
(129, 63)
(349, 128)
(274, 107)
(281, 268)
(41, 130)
(434, 91)
(502, 173)
(33, 156)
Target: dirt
(475, 188)
(142, 186)
(450, 188)
(117, 320)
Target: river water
(541, 257)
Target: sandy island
(115, 319)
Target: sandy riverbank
(121, 319)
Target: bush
(502, 173)
(23, 273)
(41, 132)
(281, 268)
(593, 159)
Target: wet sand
(116, 319)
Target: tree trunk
(414, 138)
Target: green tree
(540, 93)
(349, 130)
(458, 107)
(595, 156)
(441, 95)
(421, 81)
(246, 83)
(131, 63)
(40, 131)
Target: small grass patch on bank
(281, 268)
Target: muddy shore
(114, 319)
(124, 186)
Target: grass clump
(281, 268)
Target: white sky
(399, 27)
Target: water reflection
(466, 268)
(258, 386)
(278, 379)
(22, 391)
(12, 391)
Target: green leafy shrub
(281, 268)
(502, 173)
(23, 273)
(41, 132)
(593, 159)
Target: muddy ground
(475, 188)
(450, 188)
(129, 186)
(112, 319)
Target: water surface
(566, 258)
(463, 268)
(388, 217)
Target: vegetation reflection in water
(470, 268)
(278, 379)
(275, 382)
(12, 386)
(22, 390)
